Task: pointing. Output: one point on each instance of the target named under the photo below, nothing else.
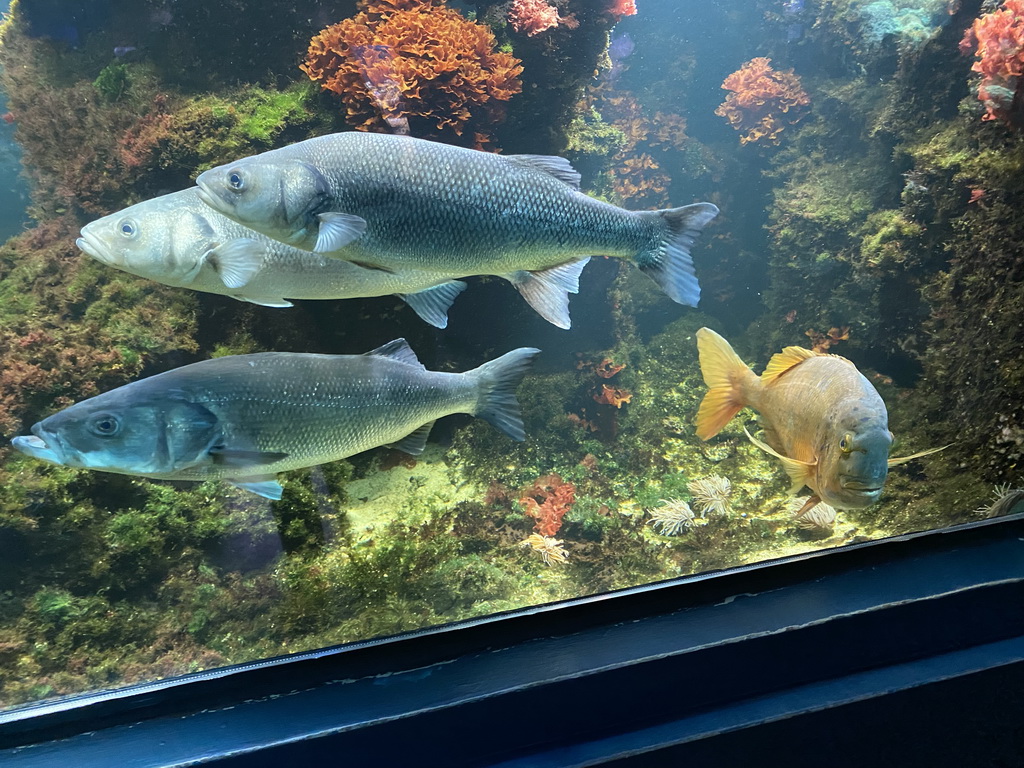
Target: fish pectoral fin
(232, 457)
(904, 459)
(237, 261)
(399, 350)
(263, 301)
(267, 486)
(415, 441)
(547, 290)
(432, 304)
(553, 165)
(800, 472)
(338, 230)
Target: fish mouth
(861, 487)
(206, 193)
(39, 445)
(92, 245)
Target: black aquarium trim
(784, 652)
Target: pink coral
(999, 37)
(547, 501)
(620, 8)
(536, 16)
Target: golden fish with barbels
(821, 418)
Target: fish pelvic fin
(267, 487)
(497, 381)
(800, 472)
(416, 441)
(547, 290)
(904, 459)
(670, 264)
(726, 376)
(432, 304)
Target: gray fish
(396, 202)
(177, 240)
(246, 417)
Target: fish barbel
(821, 418)
(246, 417)
(177, 240)
(397, 202)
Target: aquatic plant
(762, 101)
(711, 494)
(417, 62)
(547, 501)
(536, 16)
(672, 517)
(997, 39)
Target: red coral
(620, 8)
(536, 16)
(761, 100)
(420, 60)
(613, 396)
(547, 501)
(999, 37)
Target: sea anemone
(550, 549)
(711, 494)
(673, 517)
(1005, 499)
(819, 519)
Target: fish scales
(447, 209)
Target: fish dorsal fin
(263, 301)
(415, 441)
(553, 165)
(338, 230)
(432, 304)
(800, 472)
(399, 350)
(784, 360)
(547, 290)
(236, 261)
(265, 486)
(904, 459)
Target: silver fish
(396, 202)
(177, 240)
(246, 417)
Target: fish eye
(235, 181)
(846, 443)
(105, 424)
(127, 227)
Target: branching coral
(421, 62)
(762, 101)
(536, 16)
(998, 42)
(613, 396)
(547, 501)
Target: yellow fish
(821, 418)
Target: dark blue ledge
(908, 651)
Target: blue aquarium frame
(905, 651)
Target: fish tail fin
(497, 382)
(669, 264)
(727, 376)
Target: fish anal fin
(415, 441)
(724, 373)
(263, 301)
(338, 230)
(265, 486)
(801, 473)
(432, 304)
(399, 350)
(904, 459)
(547, 290)
(553, 165)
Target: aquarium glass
(781, 315)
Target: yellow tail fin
(723, 373)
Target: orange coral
(620, 8)
(547, 501)
(761, 100)
(822, 342)
(999, 41)
(607, 368)
(420, 62)
(613, 396)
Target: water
(867, 210)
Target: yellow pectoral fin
(800, 472)
(904, 459)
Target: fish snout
(41, 444)
(92, 244)
(207, 190)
